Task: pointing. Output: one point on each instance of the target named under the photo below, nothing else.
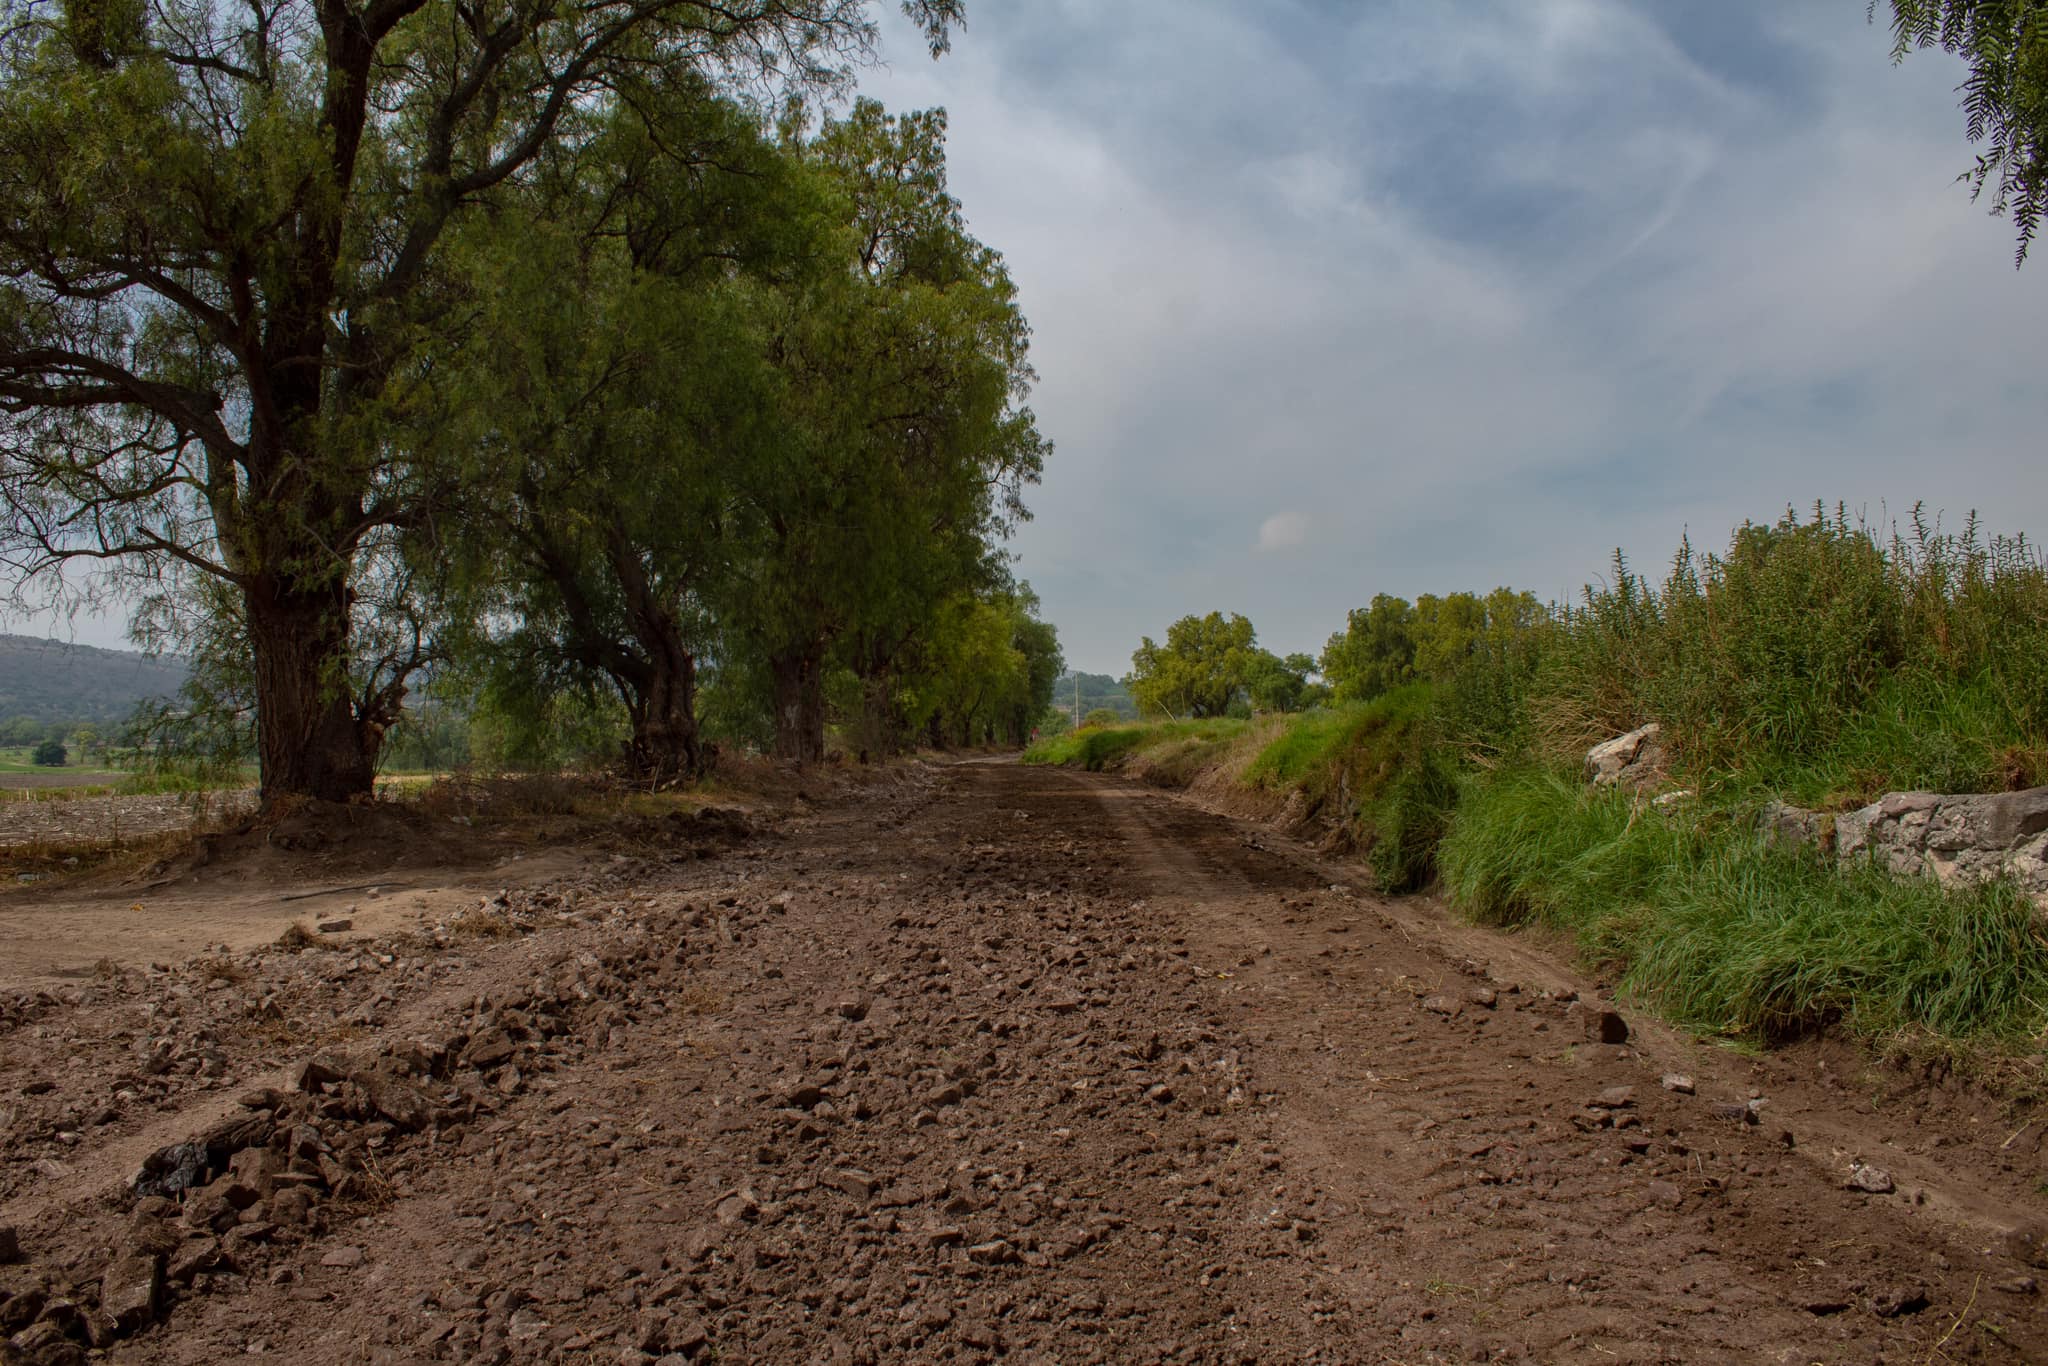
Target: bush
(1819, 660)
(50, 754)
(1101, 716)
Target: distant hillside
(1096, 690)
(49, 680)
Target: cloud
(1283, 531)
(1509, 285)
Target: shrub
(50, 754)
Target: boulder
(1635, 759)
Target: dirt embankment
(998, 1064)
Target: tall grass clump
(1819, 658)
(1691, 912)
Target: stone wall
(1958, 838)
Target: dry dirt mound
(993, 1064)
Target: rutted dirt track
(998, 1063)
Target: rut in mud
(997, 1064)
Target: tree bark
(310, 740)
(799, 685)
(666, 744)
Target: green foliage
(230, 240)
(50, 754)
(1817, 659)
(2005, 96)
(1102, 716)
(1095, 749)
(1727, 935)
(1277, 684)
(1390, 642)
(1204, 666)
(1082, 693)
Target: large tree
(904, 440)
(1201, 669)
(220, 242)
(2005, 96)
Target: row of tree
(539, 352)
(1211, 665)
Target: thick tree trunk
(799, 679)
(309, 739)
(665, 745)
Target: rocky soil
(992, 1064)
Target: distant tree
(1101, 716)
(22, 730)
(50, 754)
(2005, 96)
(1375, 652)
(1200, 670)
(1281, 683)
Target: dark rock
(10, 1244)
(132, 1290)
(314, 1073)
(490, 1048)
(1739, 1113)
(1893, 1300)
(341, 926)
(18, 1311)
(195, 1256)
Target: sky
(1333, 298)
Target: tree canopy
(225, 241)
(2005, 96)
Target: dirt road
(993, 1064)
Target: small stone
(1679, 1083)
(1162, 1094)
(993, 1253)
(1615, 1098)
(1665, 1194)
(1484, 997)
(344, 1258)
(1876, 1180)
(1739, 1113)
(2028, 1245)
(1440, 1005)
(2017, 1285)
(850, 1008)
(858, 1184)
(342, 926)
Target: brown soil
(995, 1063)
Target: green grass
(1697, 917)
(1097, 747)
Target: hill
(53, 681)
